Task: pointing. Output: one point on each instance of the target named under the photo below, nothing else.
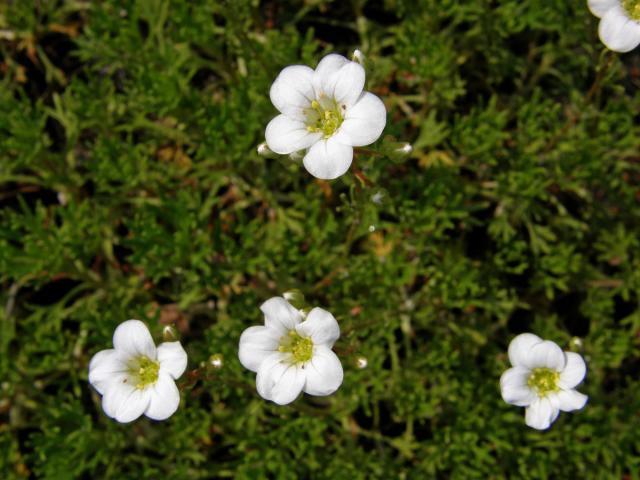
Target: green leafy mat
(130, 187)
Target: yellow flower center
(324, 116)
(300, 348)
(632, 8)
(143, 371)
(544, 381)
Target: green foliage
(131, 188)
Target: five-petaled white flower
(325, 112)
(542, 379)
(135, 377)
(292, 354)
(619, 26)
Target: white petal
(573, 372)
(278, 380)
(172, 358)
(364, 121)
(124, 402)
(287, 389)
(541, 414)
(327, 67)
(105, 367)
(520, 346)
(133, 338)
(618, 32)
(600, 7)
(115, 394)
(292, 91)
(328, 159)
(135, 405)
(345, 85)
(164, 398)
(514, 388)
(569, 400)
(256, 344)
(546, 354)
(323, 373)
(270, 370)
(280, 315)
(286, 135)
(321, 327)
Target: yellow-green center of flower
(143, 371)
(324, 116)
(544, 381)
(300, 348)
(632, 8)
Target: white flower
(542, 379)
(326, 113)
(619, 26)
(291, 355)
(135, 377)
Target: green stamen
(143, 371)
(544, 381)
(632, 8)
(324, 117)
(300, 348)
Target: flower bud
(576, 343)
(216, 361)
(380, 197)
(264, 151)
(297, 156)
(63, 198)
(395, 150)
(405, 149)
(170, 334)
(295, 298)
(358, 57)
(362, 362)
(400, 151)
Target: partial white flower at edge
(619, 27)
(542, 379)
(135, 377)
(292, 354)
(326, 113)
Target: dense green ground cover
(131, 188)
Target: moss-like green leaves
(130, 187)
